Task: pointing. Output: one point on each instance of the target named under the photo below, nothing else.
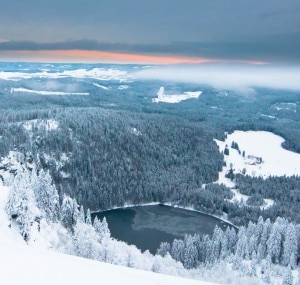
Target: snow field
(175, 98)
(49, 125)
(276, 161)
(43, 92)
(95, 73)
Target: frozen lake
(148, 226)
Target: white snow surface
(285, 106)
(22, 264)
(175, 98)
(101, 86)
(49, 125)
(276, 161)
(95, 73)
(123, 87)
(43, 92)
(136, 132)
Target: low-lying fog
(228, 76)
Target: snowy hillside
(22, 264)
(263, 155)
(257, 154)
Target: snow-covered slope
(21, 264)
(260, 154)
(264, 155)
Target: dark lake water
(148, 226)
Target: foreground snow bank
(22, 265)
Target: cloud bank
(276, 48)
(228, 76)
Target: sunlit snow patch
(176, 98)
(56, 93)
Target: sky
(168, 31)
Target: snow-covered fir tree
(21, 205)
(164, 249)
(88, 219)
(46, 195)
(69, 212)
(274, 244)
(290, 247)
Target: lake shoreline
(167, 204)
(147, 226)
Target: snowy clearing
(49, 125)
(269, 116)
(242, 199)
(123, 87)
(41, 92)
(264, 155)
(101, 86)
(288, 106)
(135, 131)
(175, 98)
(95, 73)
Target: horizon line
(97, 56)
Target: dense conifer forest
(107, 150)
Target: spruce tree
(66, 212)
(190, 253)
(274, 244)
(81, 215)
(177, 250)
(46, 195)
(88, 219)
(163, 249)
(290, 247)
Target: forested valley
(92, 153)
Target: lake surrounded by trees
(148, 226)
